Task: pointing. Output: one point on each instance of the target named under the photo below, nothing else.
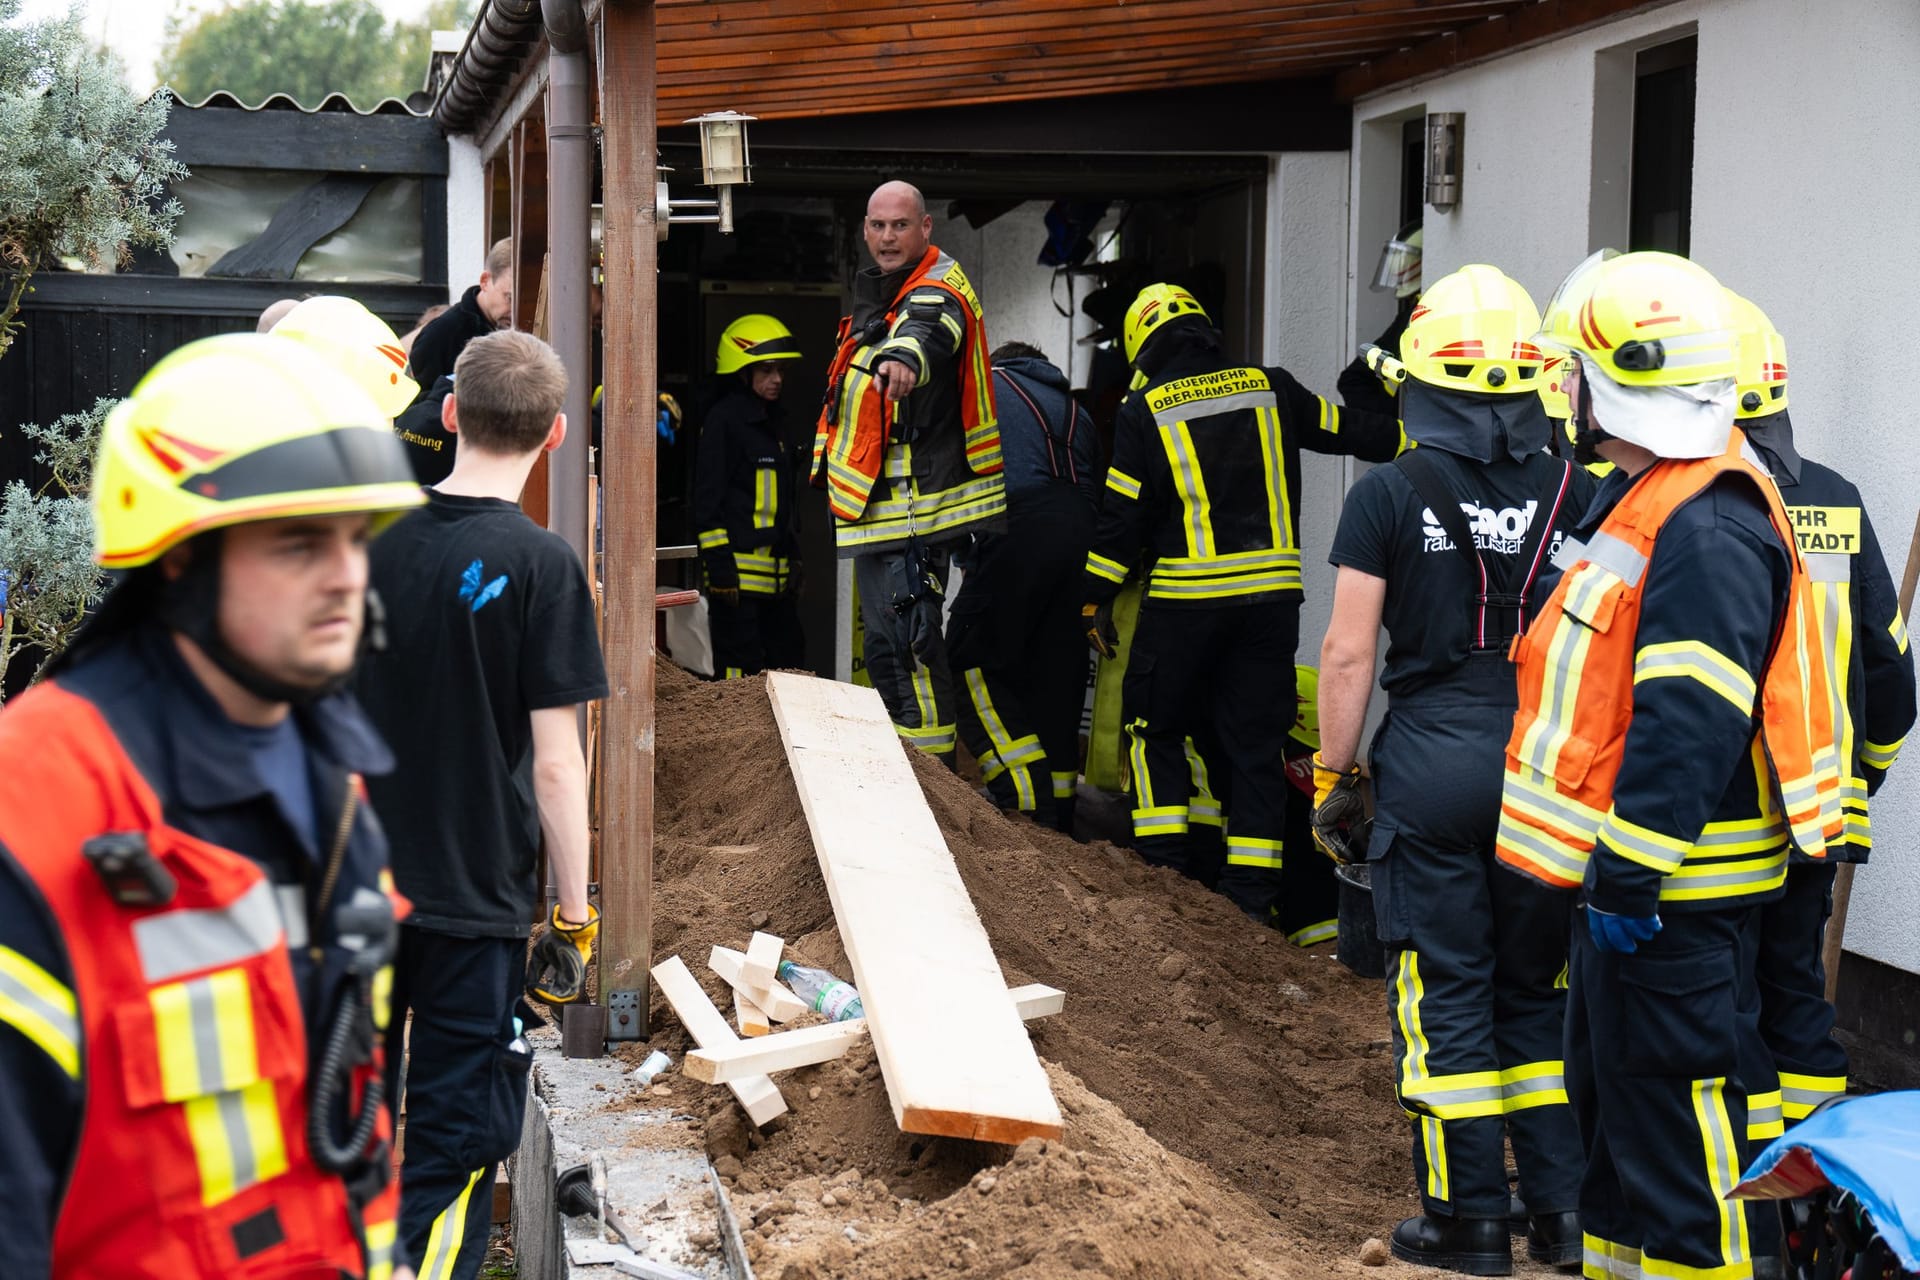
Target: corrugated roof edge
(333, 102)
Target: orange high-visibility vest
(185, 1026)
(1576, 675)
(851, 437)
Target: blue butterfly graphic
(473, 592)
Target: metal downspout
(570, 162)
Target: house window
(1661, 187)
(1413, 170)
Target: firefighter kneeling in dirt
(196, 916)
(1449, 547)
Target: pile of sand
(1228, 1096)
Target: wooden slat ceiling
(785, 58)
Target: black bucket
(1358, 946)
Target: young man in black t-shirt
(492, 650)
(1450, 547)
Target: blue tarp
(1869, 1146)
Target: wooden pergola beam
(960, 57)
(630, 320)
(753, 16)
(933, 29)
(1509, 33)
(1034, 86)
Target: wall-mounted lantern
(1446, 136)
(724, 164)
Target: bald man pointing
(909, 453)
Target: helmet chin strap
(190, 604)
(1586, 436)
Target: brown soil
(1229, 1103)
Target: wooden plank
(398, 304)
(749, 19)
(749, 1017)
(779, 1003)
(969, 67)
(329, 141)
(631, 329)
(757, 1095)
(763, 959)
(297, 225)
(1037, 1000)
(1032, 86)
(934, 25)
(747, 1058)
(955, 1057)
(1522, 28)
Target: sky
(133, 28)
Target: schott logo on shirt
(1500, 530)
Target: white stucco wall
(1306, 324)
(1017, 292)
(466, 212)
(1804, 181)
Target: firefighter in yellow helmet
(1449, 547)
(1203, 500)
(746, 478)
(1398, 273)
(1674, 741)
(189, 860)
(1871, 687)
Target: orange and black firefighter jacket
(1204, 490)
(158, 1058)
(1673, 739)
(928, 466)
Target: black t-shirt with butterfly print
(489, 618)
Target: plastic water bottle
(826, 993)
(656, 1063)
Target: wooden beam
(853, 99)
(1037, 1000)
(956, 1060)
(324, 142)
(745, 1059)
(1509, 33)
(1208, 47)
(631, 332)
(763, 960)
(759, 1096)
(942, 27)
(780, 1004)
(748, 19)
(527, 99)
(750, 1017)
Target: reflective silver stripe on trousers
(1759, 1117)
(177, 942)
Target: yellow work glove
(557, 969)
(1340, 825)
(1102, 636)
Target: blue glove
(1620, 933)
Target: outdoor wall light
(1446, 135)
(724, 164)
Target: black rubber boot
(1472, 1246)
(1516, 1216)
(1554, 1238)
